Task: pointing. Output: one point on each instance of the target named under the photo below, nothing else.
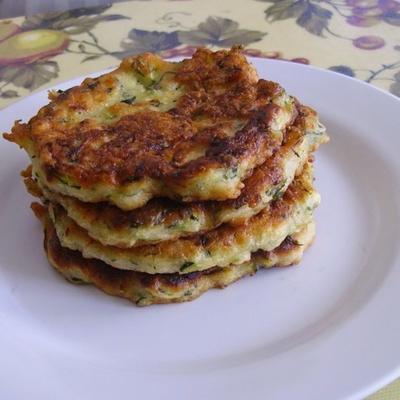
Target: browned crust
(271, 171)
(220, 246)
(220, 86)
(156, 211)
(139, 287)
(169, 212)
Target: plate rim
(379, 382)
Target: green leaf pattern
(176, 35)
(221, 32)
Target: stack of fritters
(161, 180)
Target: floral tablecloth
(359, 38)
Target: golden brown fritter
(222, 246)
(145, 289)
(165, 219)
(192, 130)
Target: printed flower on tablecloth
(307, 13)
(388, 72)
(217, 31)
(395, 86)
(29, 76)
(366, 13)
(73, 22)
(139, 41)
(369, 42)
(25, 50)
(315, 18)
(342, 69)
(214, 31)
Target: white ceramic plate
(327, 329)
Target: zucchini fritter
(192, 130)
(221, 247)
(165, 219)
(145, 289)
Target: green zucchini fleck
(186, 265)
(76, 280)
(176, 225)
(129, 100)
(279, 190)
(141, 300)
(65, 182)
(156, 83)
(231, 173)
